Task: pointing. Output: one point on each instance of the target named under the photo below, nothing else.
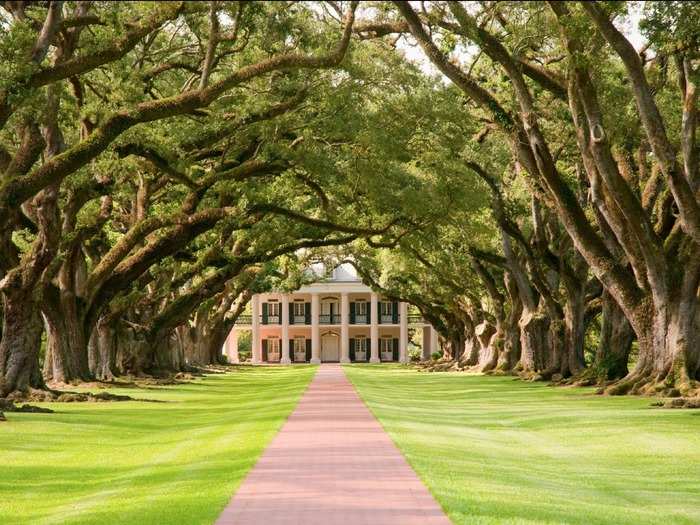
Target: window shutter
(396, 349)
(264, 346)
(291, 349)
(264, 313)
(307, 314)
(369, 346)
(291, 313)
(369, 312)
(352, 350)
(394, 312)
(308, 348)
(352, 313)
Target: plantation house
(338, 319)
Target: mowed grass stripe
(144, 463)
(495, 450)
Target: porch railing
(246, 319)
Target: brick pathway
(331, 464)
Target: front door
(299, 349)
(330, 350)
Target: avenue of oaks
(521, 173)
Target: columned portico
(374, 328)
(315, 329)
(285, 359)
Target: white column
(374, 328)
(256, 348)
(232, 346)
(434, 347)
(403, 332)
(285, 360)
(315, 329)
(344, 329)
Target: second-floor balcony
(328, 319)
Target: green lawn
(143, 463)
(498, 450)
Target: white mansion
(338, 319)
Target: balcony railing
(329, 319)
(246, 319)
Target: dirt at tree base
(450, 365)
(679, 402)
(440, 365)
(62, 396)
(55, 393)
(9, 406)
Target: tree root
(440, 365)
(642, 382)
(9, 406)
(531, 375)
(680, 402)
(62, 396)
(500, 371)
(144, 381)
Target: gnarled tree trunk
(66, 346)
(20, 343)
(511, 330)
(488, 336)
(102, 350)
(534, 328)
(616, 337)
(668, 331)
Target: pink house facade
(339, 319)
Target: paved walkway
(331, 464)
